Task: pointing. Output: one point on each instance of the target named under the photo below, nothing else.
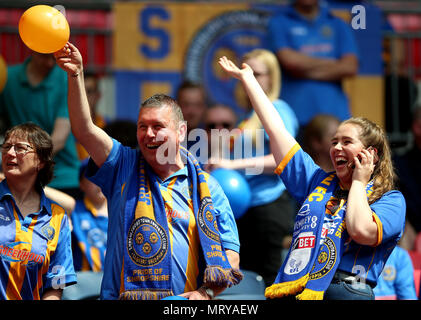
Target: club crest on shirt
(48, 232)
(389, 273)
(207, 220)
(326, 31)
(147, 242)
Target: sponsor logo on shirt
(8, 252)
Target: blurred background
(141, 47)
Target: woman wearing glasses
(349, 220)
(271, 211)
(35, 249)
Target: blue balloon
(174, 298)
(236, 188)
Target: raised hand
(233, 70)
(364, 165)
(69, 59)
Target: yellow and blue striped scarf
(147, 255)
(313, 258)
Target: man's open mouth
(153, 146)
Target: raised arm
(96, 142)
(281, 141)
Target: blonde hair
(274, 69)
(373, 135)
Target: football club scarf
(317, 245)
(147, 255)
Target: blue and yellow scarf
(147, 256)
(317, 245)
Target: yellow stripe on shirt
(17, 269)
(168, 203)
(57, 215)
(192, 270)
(379, 229)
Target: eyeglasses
(20, 148)
(215, 125)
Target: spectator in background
(317, 137)
(36, 91)
(90, 224)
(124, 131)
(396, 282)
(409, 182)
(94, 95)
(217, 118)
(193, 103)
(316, 51)
(270, 216)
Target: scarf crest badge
(147, 258)
(319, 239)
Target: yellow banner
(155, 36)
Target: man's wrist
(76, 74)
(208, 291)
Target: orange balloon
(44, 29)
(3, 73)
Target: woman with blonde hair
(350, 219)
(270, 215)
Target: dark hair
(188, 84)
(162, 100)
(316, 130)
(123, 131)
(42, 144)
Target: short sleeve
(389, 213)
(405, 284)
(61, 271)
(115, 170)
(225, 217)
(299, 173)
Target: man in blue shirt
(316, 51)
(156, 230)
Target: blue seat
(88, 286)
(252, 287)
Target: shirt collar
(323, 13)
(5, 192)
(182, 172)
(48, 81)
